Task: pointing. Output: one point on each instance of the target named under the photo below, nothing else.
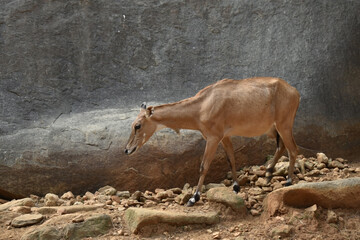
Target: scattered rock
(331, 217)
(261, 182)
(107, 190)
(243, 180)
(282, 231)
(183, 198)
(20, 202)
(92, 227)
(137, 218)
(136, 195)
(176, 190)
(26, 220)
(43, 233)
(335, 164)
(281, 169)
(227, 197)
(21, 209)
(51, 199)
(123, 194)
(89, 196)
(332, 194)
(322, 158)
(216, 235)
(68, 195)
(256, 191)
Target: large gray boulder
(344, 193)
(73, 73)
(137, 218)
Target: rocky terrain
(323, 204)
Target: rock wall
(73, 74)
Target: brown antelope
(248, 107)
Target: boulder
(51, 200)
(43, 233)
(343, 193)
(92, 227)
(20, 202)
(227, 197)
(26, 220)
(136, 218)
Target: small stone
(308, 179)
(115, 199)
(302, 165)
(314, 172)
(309, 165)
(109, 202)
(68, 195)
(226, 182)
(331, 217)
(89, 196)
(261, 182)
(324, 171)
(322, 158)
(255, 191)
(320, 166)
(107, 190)
(26, 220)
(51, 199)
(183, 198)
(282, 231)
(186, 186)
(136, 195)
(243, 180)
(216, 235)
(123, 194)
(267, 189)
(253, 178)
(176, 190)
(260, 173)
(340, 160)
(335, 164)
(357, 170)
(277, 185)
(254, 212)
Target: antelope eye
(137, 127)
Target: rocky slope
(259, 211)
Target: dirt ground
(231, 225)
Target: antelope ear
(149, 111)
(143, 105)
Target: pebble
(68, 195)
(51, 199)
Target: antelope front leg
(210, 150)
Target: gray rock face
(72, 73)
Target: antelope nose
(126, 151)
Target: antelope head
(141, 129)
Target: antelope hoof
(193, 200)
(288, 183)
(236, 188)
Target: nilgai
(248, 107)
